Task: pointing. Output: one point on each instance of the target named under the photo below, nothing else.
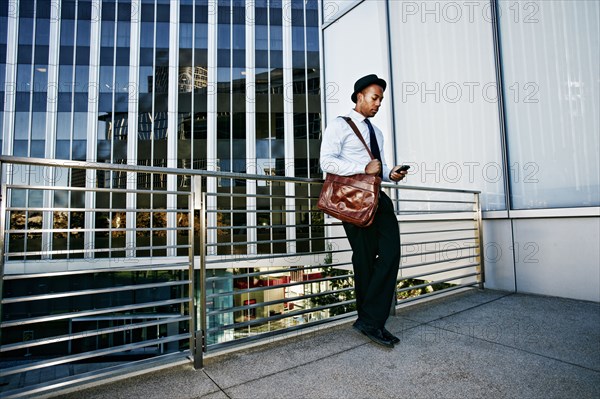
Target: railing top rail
(61, 163)
(423, 188)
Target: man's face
(369, 100)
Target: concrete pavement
(474, 344)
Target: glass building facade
(230, 86)
(493, 95)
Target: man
(375, 249)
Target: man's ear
(359, 96)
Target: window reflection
(191, 129)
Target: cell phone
(402, 168)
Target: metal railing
(129, 272)
(90, 276)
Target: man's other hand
(373, 167)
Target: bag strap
(357, 132)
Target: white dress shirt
(343, 154)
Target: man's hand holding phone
(398, 172)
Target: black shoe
(374, 334)
(358, 326)
(389, 336)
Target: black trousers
(375, 258)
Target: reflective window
(80, 125)
(38, 125)
(124, 11)
(63, 125)
(67, 32)
(40, 78)
(83, 32)
(162, 34)
(552, 93)
(82, 74)
(23, 77)
(123, 33)
(107, 36)
(26, 31)
(22, 101)
(22, 125)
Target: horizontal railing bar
(270, 227)
(94, 250)
(243, 195)
(437, 292)
(280, 241)
(437, 252)
(97, 210)
(93, 291)
(436, 282)
(398, 212)
(148, 169)
(266, 334)
(418, 188)
(238, 258)
(91, 333)
(276, 302)
(243, 257)
(416, 276)
(283, 240)
(276, 271)
(436, 220)
(428, 212)
(279, 317)
(400, 200)
(59, 163)
(96, 189)
(97, 230)
(99, 375)
(272, 287)
(125, 316)
(170, 266)
(264, 210)
(436, 262)
(65, 316)
(90, 354)
(438, 241)
(438, 231)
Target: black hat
(366, 81)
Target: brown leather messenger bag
(351, 199)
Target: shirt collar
(356, 116)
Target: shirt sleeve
(385, 169)
(332, 159)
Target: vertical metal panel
(200, 346)
(51, 116)
(12, 40)
(92, 120)
(133, 89)
(288, 120)
(251, 160)
(172, 122)
(481, 268)
(3, 176)
(211, 111)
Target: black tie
(374, 145)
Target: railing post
(481, 276)
(199, 333)
(3, 199)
